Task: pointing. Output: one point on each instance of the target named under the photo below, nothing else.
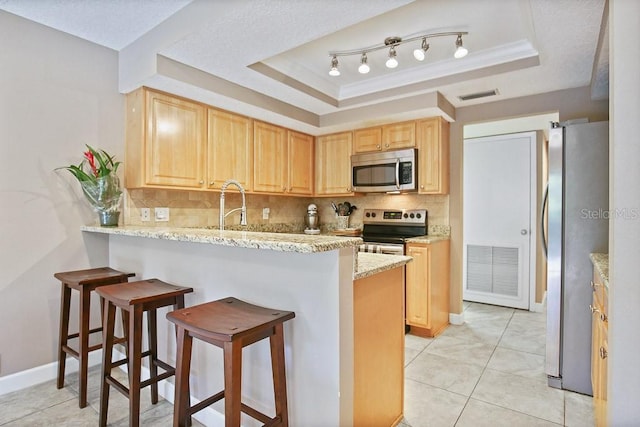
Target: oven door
(382, 248)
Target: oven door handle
(398, 173)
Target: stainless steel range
(385, 230)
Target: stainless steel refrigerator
(576, 207)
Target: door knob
(524, 231)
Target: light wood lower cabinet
(333, 164)
(599, 349)
(427, 288)
(166, 141)
(378, 320)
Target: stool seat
(135, 299)
(231, 324)
(85, 282)
(228, 319)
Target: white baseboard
(456, 319)
(40, 374)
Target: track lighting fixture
(392, 43)
(364, 67)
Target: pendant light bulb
(461, 51)
(364, 67)
(334, 72)
(392, 62)
(420, 53)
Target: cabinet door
(418, 287)
(300, 163)
(399, 135)
(365, 140)
(175, 142)
(269, 158)
(230, 149)
(333, 164)
(432, 137)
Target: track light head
(334, 72)
(364, 67)
(392, 62)
(420, 53)
(461, 51)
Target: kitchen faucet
(243, 209)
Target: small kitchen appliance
(386, 230)
(394, 171)
(312, 220)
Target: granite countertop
(370, 264)
(427, 239)
(282, 242)
(601, 264)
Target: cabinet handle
(603, 353)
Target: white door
(499, 219)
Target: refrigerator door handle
(543, 211)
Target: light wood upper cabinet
(432, 136)
(427, 288)
(166, 141)
(301, 163)
(269, 158)
(333, 164)
(283, 160)
(394, 136)
(399, 135)
(230, 149)
(365, 140)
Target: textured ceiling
(269, 58)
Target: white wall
(57, 93)
(624, 226)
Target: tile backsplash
(201, 209)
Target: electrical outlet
(145, 214)
(161, 214)
(265, 213)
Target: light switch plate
(161, 214)
(265, 213)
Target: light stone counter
(601, 263)
(427, 240)
(370, 263)
(282, 242)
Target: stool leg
(135, 365)
(83, 346)
(107, 354)
(65, 302)
(276, 342)
(152, 329)
(182, 398)
(232, 382)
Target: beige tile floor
(487, 372)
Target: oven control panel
(395, 216)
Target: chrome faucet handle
(243, 216)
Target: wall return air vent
(478, 95)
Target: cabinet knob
(212, 183)
(378, 146)
(201, 181)
(603, 317)
(593, 286)
(593, 309)
(603, 353)
(422, 187)
(386, 145)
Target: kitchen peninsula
(344, 350)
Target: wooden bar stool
(84, 281)
(135, 299)
(230, 324)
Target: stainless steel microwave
(387, 171)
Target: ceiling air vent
(478, 95)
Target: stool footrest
(207, 402)
(253, 413)
(91, 331)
